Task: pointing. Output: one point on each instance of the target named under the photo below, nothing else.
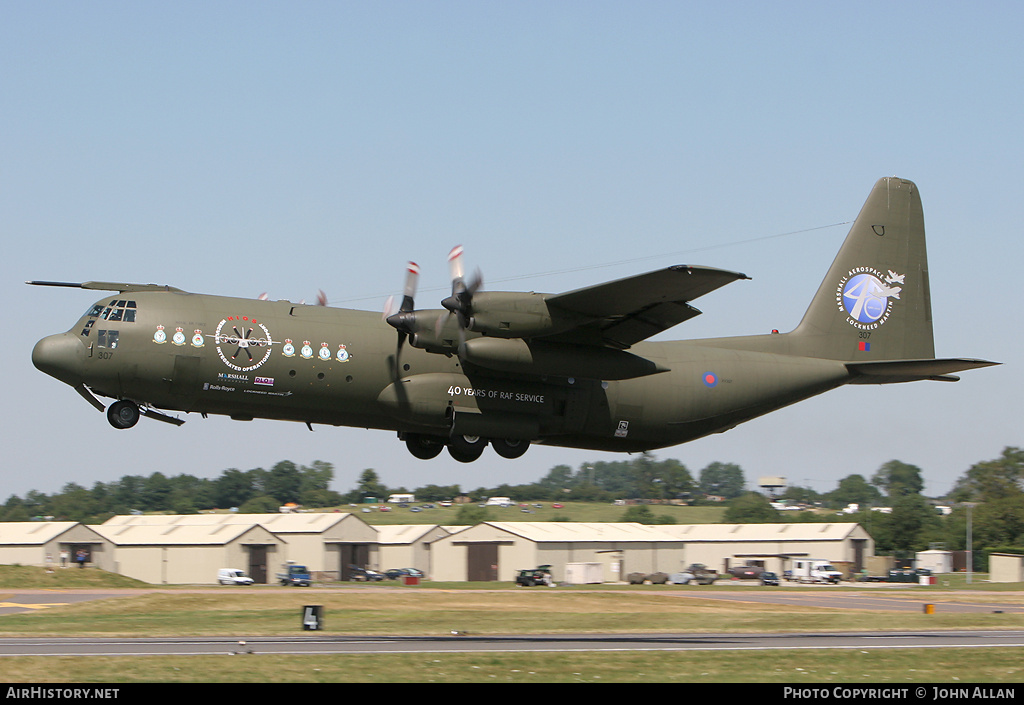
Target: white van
(498, 502)
(233, 576)
(814, 571)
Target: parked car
(365, 574)
(541, 575)
(746, 572)
(702, 575)
(769, 578)
(397, 573)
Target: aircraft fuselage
(274, 359)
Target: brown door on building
(353, 554)
(483, 562)
(858, 554)
(258, 564)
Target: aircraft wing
(107, 286)
(629, 310)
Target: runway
(319, 643)
(327, 645)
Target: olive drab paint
(507, 369)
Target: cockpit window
(123, 310)
(115, 311)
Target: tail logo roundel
(866, 296)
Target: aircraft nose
(60, 356)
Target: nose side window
(107, 338)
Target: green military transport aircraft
(508, 369)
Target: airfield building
(190, 549)
(54, 543)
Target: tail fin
(874, 303)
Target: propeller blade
(455, 267)
(395, 318)
(461, 301)
(403, 319)
(412, 277)
(477, 282)
(321, 298)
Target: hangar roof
(408, 533)
(32, 533)
(156, 535)
(306, 522)
(763, 532)
(583, 531)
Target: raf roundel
(710, 379)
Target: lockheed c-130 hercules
(509, 369)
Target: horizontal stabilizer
(892, 371)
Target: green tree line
(990, 494)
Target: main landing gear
(465, 449)
(123, 414)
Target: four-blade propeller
(408, 322)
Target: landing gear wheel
(466, 449)
(424, 447)
(123, 414)
(510, 448)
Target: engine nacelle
(501, 314)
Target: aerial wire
(617, 263)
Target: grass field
(570, 511)
(884, 666)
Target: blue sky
(241, 147)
